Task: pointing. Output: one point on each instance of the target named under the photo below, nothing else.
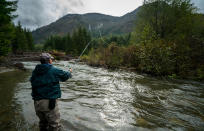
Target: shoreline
(12, 62)
(132, 69)
(6, 69)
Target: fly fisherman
(45, 92)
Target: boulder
(20, 66)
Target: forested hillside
(92, 21)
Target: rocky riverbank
(7, 64)
(15, 60)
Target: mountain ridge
(95, 22)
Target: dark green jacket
(45, 81)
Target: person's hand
(70, 70)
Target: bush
(156, 58)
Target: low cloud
(199, 4)
(36, 13)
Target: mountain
(95, 22)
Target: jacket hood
(42, 68)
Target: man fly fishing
(45, 92)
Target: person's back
(45, 92)
(45, 82)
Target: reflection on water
(10, 107)
(100, 99)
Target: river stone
(142, 122)
(20, 66)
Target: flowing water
(102, 100)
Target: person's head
(46, 58)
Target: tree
(29, 39)
(165, 17)
(69, 44)
(21, 41)
(6, 28)
(74, 44)
(176, 25)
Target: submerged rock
(20, 66)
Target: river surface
(97, 99)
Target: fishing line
(87, 44)
(91, 41)
(102, 37)
(84, 49)
(114, 74)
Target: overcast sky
(37, 13)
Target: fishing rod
(91, 41)
(85, 49)
(87, 44)
(102, 37)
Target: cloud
(199, 4)
(36, 13)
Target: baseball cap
(46, 56)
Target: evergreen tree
(29, 38)
(74, 44)
(69, 44)
(6, 28)
(20, 39)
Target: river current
(97, 99)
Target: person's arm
(63, 75)
(32, 77)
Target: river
(97, 99)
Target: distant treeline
(120, 40)
(12, 38)
(71, 44)
(75, 43)
(168, 39)
(22, 40)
